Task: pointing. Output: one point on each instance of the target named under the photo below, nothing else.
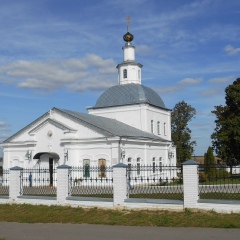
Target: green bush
(203, 177)
(222, 174)
(212, 174)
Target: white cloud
(166, 90)
(221, 80)
(230, 50)
(190, 81)
(143, 49)
(201, 124)
(211, 92)
(3, 124)
(3, 137)
(4, 128)
(91, 72)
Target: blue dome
(129, 94)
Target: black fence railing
(91, 182)
(155, 182)
(219, 182)
(39, 182)
(4, 182)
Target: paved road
(39, 231)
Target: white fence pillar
(15, 183)
(190, 183)
(62, 183)
(119, 184)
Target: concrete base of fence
(48, 201)
(4, 199)
(89, 202)
(130, 204)
(220, 206)
(154, 204)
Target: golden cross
(128, 23)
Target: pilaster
(15, 183)
(190, 184)
(63, 172)
(119, 184)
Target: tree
(181, 135)
(226, 135)
(209, 158)
(209, 161)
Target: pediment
(53, 122)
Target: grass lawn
(57, 214)
(228, 181)
(220, 195)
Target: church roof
(129, 94)
(107, 126)
(110, 127)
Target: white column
(15, 183)
(190, 184)
(62, 183)
(119, 184)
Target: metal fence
(91, 182)
(4, 182)
(156, 182)
(39, 182)
(219, 182)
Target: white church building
(129, 123)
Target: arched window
(124, 73)
(164, 129)
(151, 126)
(158, 128)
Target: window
(129, 165)
(160, 164)
(154, 165)
(129, 162)
(138, 74)
(86, 168)
(138, 166)
(158, 128)
(102, 168)
(124, 73)
(164, 129)
(151, 126)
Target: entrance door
(51, 171)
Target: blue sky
(63, 53)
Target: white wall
(139, 116)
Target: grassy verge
(56, 214)
(176, 196)
(220, 196)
